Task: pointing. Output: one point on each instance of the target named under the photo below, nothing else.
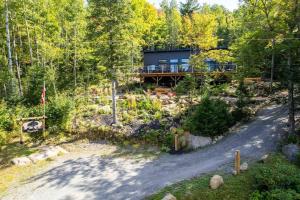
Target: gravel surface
(90, 176)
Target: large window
(174, 65)
(185, 60)
(151, 68)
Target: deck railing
(181, 69)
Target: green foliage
(6, 122)
(3, 137)
(187, 85)
(276, 194)
(219, 89)
(277, 180)
(280, 176)
(210, 118)
(59, 112)
(242, 113)
(235, 188)
(149, 105)
(162, 138)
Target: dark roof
(167, 50)
(181, 50)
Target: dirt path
(89, 176)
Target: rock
(105, 109)
(21, 161)
(195, 142)
(51, 153)
(61, 150)
(291, 151)
(216, 181)
(38, 157)
(234, 172)
(244, 167)
(169, 197)
(264, 158)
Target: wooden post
(114, 102)
(21, 133)
(176, 142)
(237, 161)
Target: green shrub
(241, 112)
(59, 111)
(144, 104)
(163, 139)
(210, 118)
(276, 194)
(218, 89)
(187, 85)
(280, 176)
(298, 160)
(3, 137)
(6, 122)
(149, 105)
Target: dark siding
(152, 58)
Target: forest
(75, 65)
(74, 46)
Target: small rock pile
(46, 153)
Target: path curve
(92, 177)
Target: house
(167, 67)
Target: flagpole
(44, 116)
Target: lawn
(12, 175)
(235, 188)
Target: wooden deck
(158, 77)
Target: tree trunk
(273, 65)
(10, 67)
(291, 102)
(114, 102)
(37, 48)
(29, 42)
(75, 58)
(17, 64)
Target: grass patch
(235, 188)
(11, 176)
(14, 150)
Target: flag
(43, 96)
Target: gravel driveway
(89, 176)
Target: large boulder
(36, 157)
(22, 161)
(244, 166)
(195, 142)
(47, 152)
(169, 197)
(216, 181)
(291, 151)
(264, 158)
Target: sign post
(238, 162)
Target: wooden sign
(32, 126)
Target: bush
(3, 137)
(6, 122)
(149, 105)
(59, 111)
(187, 85)
(280, 176)
(277, 194)
(241, 112)
(210, 118)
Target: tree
(189, 7)
(110, 31)
(199, 30)
(173, 22)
